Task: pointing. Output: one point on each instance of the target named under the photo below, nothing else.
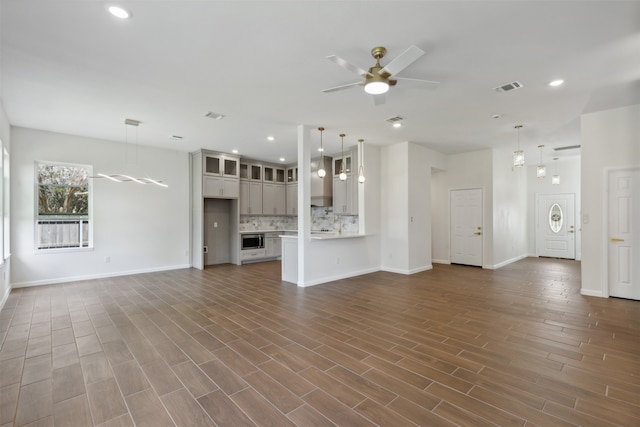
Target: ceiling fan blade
(380, 99)
(342, 87)
(418, 83)
(344, 64)
(402, 61)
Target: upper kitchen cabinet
(218, 164)
(292, 174)
(345, 192)
(274, 174)
(251, 171)
(219, 174)
(339, 161)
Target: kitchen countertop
(328, 236)
(266, 231)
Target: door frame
(606, 176)
(576, 221)
(484, 228)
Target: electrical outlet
(338, 260)
(186, 253)
(206, 249)
(107, 259)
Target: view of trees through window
(63, 205)
(63, 189)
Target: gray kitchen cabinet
(250, 198)
(273, 199)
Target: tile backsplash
(322, 218)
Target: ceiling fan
(378, 79)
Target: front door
(624, 236)
(466, 227)
(555, 226)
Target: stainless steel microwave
(252, 241)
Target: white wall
(395, 207)
(463, 171)
(610, 139)
(569, 172)
(140, 227)
(509, 210)
(5, 264)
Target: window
(63, 206)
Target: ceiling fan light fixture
(376, 87)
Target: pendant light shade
(321, 171)
(541, 170)
(555, 179)
(518, 155)
(343, 175)
(361, 177)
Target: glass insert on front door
(555, 218)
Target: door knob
(477, 233)
(571, 231)
(615, 239)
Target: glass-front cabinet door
(212, 165)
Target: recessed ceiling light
(282, 159)
(320, 149)
(234, 151)
(119, 12)
(397, 125)
(271, 138)
(556, 83)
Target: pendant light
(321, 171)
(343, 175)
(518, 155)
(121, 177)
(541, 170)
(361, 177)
(555, 179)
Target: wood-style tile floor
(235, 346)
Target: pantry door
(466, 227)
(624, 236)
(555, 225)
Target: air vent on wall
(508, 86)
(568, 147)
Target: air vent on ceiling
(508, 86)
(215, 116)
(568, 147)
(395, 119)
(176, 137)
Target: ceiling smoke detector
(213, 115)
(508, 87)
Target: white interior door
(466, 227)
(624, 237)
(555, 225)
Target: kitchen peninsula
(290, 250)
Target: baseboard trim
(503, 263)
(440, 261)
(588, 293)
(5, 297)
(407, 272)
(95, 276)
(337, 277)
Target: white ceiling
(69, 66)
